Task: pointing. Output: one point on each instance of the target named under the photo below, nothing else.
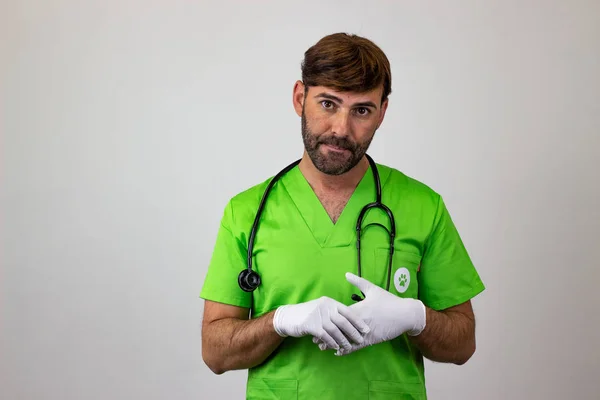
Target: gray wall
(126, 126)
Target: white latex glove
(388, 315)
(325, 319)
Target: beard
(332, 163)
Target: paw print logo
(402, 279)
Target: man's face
(338, 127)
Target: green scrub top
(302, 255)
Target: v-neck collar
(325, 232)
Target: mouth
(335, 149)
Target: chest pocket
(404, 272)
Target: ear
(384, 106)
(298, 97)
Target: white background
(126, 126)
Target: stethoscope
(249, 280)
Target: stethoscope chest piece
(248, 280)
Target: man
(301, 330)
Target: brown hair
(347, 62)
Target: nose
(340, 125)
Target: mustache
(342, 143)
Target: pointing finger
(361, 283)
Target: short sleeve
(447, 274)
(227, 261)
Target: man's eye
(362, 110)
(327, 104)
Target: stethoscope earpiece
(248, 280)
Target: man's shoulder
(251, 195)
(242, 206)
(403, 184)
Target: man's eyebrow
(335, 98)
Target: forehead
(346, 96)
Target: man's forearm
(232, 343)
(449, 336)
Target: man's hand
(388, 315)
(328, 320)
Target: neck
(332, 183)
